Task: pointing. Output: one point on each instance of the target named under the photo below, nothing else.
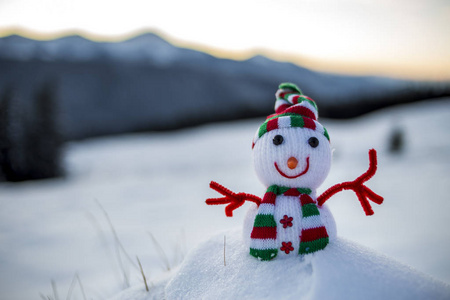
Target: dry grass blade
(116, 237)
(224, 246)
(119, 248)
(126, 280)
(75, 279)
(161, 253)
(142, 272)
(55, 291)
(43, 297)
(180, 247)
(72, 285)
(81, 287)
(102, 236)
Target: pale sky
(409, 38)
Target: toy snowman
(292, 158)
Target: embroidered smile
(294, 176)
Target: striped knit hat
(292, 109)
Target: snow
(157, 182)
(343, 270)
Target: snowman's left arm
(363, 193)
(234, 200)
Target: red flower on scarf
(286, 221)
(287, 247)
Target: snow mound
(344, 270)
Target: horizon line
(380, 67)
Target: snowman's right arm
(363, 193)
(234, 200)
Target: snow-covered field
(157, 183)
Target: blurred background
(118, 102)
(72, 70)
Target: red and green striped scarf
(314, 236)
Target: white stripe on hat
(284, 122)
(280, 102)
(310, 107)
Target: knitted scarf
(314, 236)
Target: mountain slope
(145, 83)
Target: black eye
(313, 142)
(278, 139)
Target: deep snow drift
(343, 270)
(158, 183)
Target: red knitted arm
(363, 193)
(234, 200)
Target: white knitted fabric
(316, 160)
(292, 157)
(325, 215)
(295, 144)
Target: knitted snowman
(292, 158)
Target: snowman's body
(284, 157)
(288, 215)
(292, 158)
(288, 206)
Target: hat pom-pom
(289, 94)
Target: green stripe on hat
(325, 133)
(297, 121)
(313, 104)
(290, 86)
(262, 129)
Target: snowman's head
(291, 148)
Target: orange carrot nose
(292, 163)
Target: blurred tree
(396, 140)
(30, 143)
(4, 110)
(11, 135)
(44, 140)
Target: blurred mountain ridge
(157, 82)
(75, 48)
(146, 72)
(145, 83)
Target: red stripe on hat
(295, 99)
(312, 234)
(272, 124)
(281, 95)
(282, 108)
(306, 199)
(271, 116)
(286, 94)
(269, 198)
(301, 110)
(264, 233)
(309, 123)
